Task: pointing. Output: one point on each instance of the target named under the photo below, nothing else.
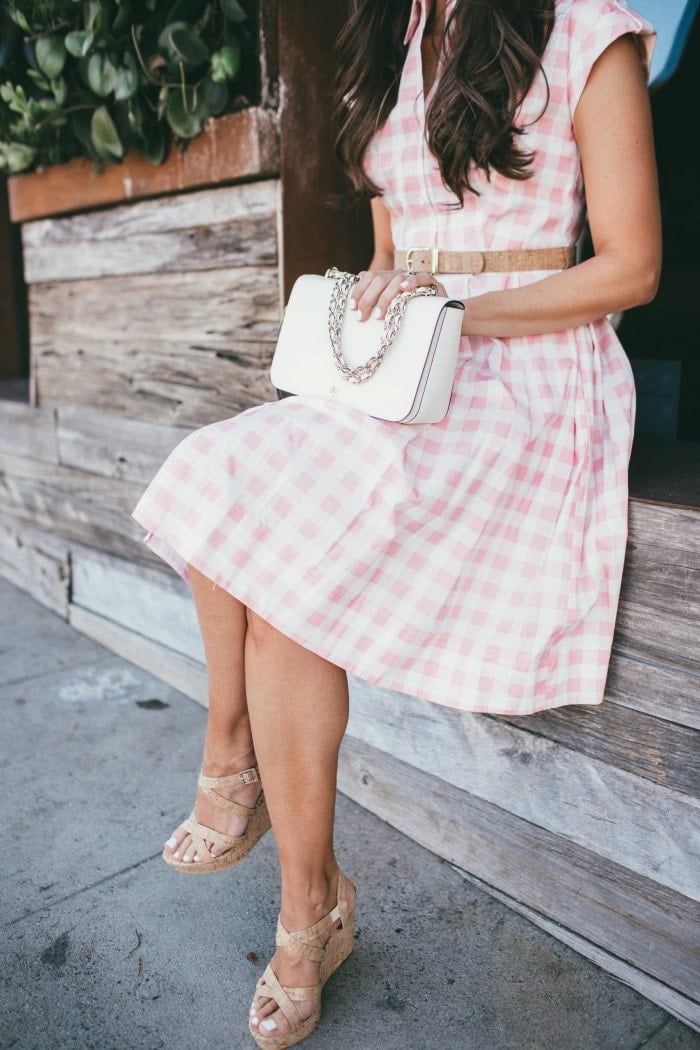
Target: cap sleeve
(592, 28)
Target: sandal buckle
(249, 776)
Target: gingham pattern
(476, 562)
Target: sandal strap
(201, 834)
(269, 986)
(207, 784)
(285, 939)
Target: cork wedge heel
(341, 923)
(238, 846)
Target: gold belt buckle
(434, 257)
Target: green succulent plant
(97, 78)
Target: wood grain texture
(167, 664)
(652, 748)
(153, 604)
(657, 634)
(654, 688)
(680, 1006)
(196, 347)
(628, 819)
(73, 505)
(28, 431)
(37, 561)
(234, 147)
(650, 927)
(113, 446)
(230, 226)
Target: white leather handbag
(400, 369)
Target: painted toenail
(269, 1025)
(172, 841)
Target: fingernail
(268, 1024)
(378, 312)
(353, 304)
(357, 312)
(404, 284)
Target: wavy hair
(493, 51)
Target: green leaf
(225, 63)
(126, 83)
(60, 90)
(94, 16)
(215, 96)
(17, 156)
(101, 74)
(183, 44)
(185, 115)
(233, 10)
(79, 42)
(19, 19)
(104, 135)
(185, 11)
(38, 78)
(154, 145)
(51, 55)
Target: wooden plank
(649, 927)
(36, 561)
(114, 446)
(177, 670)
(154, 604)
(654, 688)
(216, 310)
(657, 635)
(230, 226)
(647, 828)
(652, 748)
(26, 430)
(675, 528)
(154, 381)
(197, 347)
(234, 147)
(659, 578)
(71, 504)
(686, 1010)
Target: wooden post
(315, 233)
(13, 341)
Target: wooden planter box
(235, 147)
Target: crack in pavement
(83, 889)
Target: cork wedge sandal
(341, 923)
(239, 846)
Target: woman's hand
(376, 288)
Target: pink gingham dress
(476, 562)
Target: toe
(182, 847)
(190, 853)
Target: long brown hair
(495, 50)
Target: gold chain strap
(392, 323)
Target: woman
(475, 562)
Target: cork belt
(433, 260)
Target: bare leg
(298, 706)
(228, 745)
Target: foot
(292, 971)
(218, 762)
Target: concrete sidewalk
(106, 947)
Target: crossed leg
(273, 701)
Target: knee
(261, 632)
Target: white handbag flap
(303, 361)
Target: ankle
(227, 754)
(309, 897)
